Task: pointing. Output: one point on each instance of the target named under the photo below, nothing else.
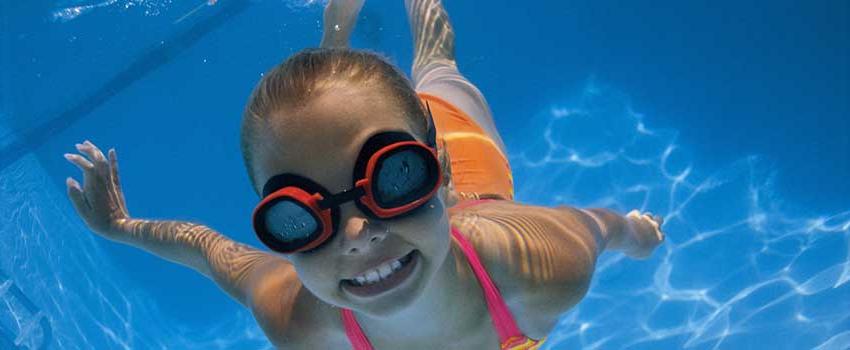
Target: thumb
(78, 199)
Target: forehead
(322, 139)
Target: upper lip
(372, 264)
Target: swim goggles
(394, 175)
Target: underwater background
(730, 119)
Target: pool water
(729, 120)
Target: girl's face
(321, 142)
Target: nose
(361, 234)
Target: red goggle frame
(323, 206)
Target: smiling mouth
(382, 278)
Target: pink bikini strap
(354, 332)
(501, 316)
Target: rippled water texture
(734, 271)
(77, 8)
(741, 268)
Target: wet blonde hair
(312, 72)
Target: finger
(86, 151)
(113, 164)
(96, 153)
(89, 152)
(651, 220)
(116, 181)
(78, 199)
(79, 161)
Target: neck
(452, 302)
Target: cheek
(428, 229)
(316, 274)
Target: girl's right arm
(238, 269)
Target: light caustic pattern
(57, 265)
(71, 10)
(74, 9)
(738, 269)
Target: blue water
(729, 119)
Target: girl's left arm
(547, 255)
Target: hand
(100, 202)
(646, 229)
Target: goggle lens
(402, 177)
(288, 221)
(393, 176)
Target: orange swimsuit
(479, 169)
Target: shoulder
(500, 229)
(533, 255)
(515, 240)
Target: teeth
(378, 273)
(372, 276)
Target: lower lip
(391, 282)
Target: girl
(387, 207)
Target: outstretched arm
(635, 234)
(237, 268)
(234, 266)
(338, 22)
(546, 256)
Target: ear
(447, 190)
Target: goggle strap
(432, 129)
(342, 197)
